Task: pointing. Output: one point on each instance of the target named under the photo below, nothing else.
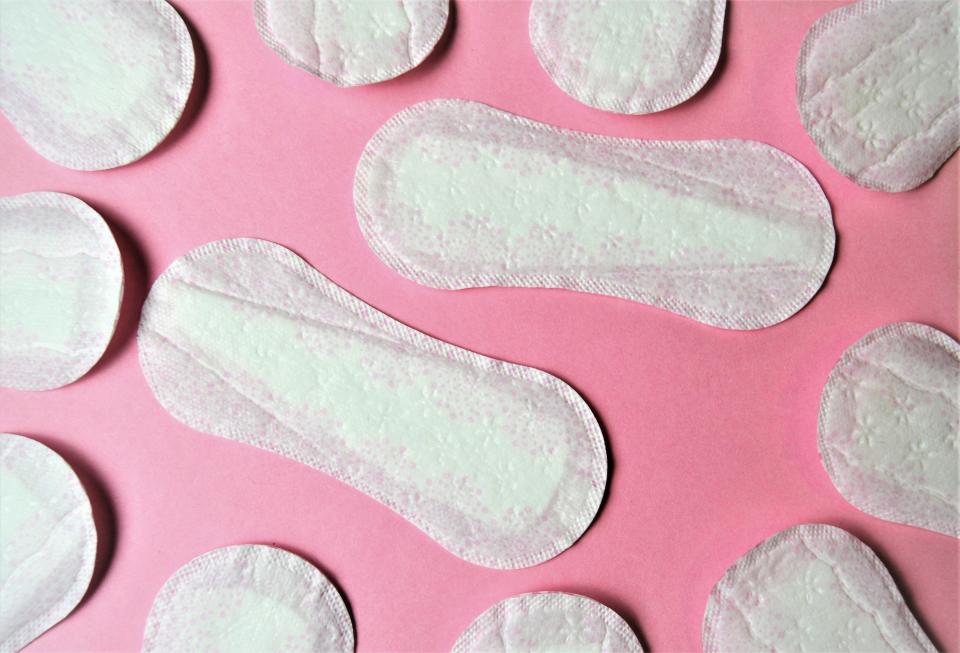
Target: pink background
(712, 433)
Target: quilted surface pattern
(248, 598)
(877, 90)
(630, 57)
(349, 43)
(456, 194)
(61, 282)
(503, 465)
(544, 622)
(93, 84)
(888, 426)
(810, 588)
(48, 541)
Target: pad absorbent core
(812, 587)
(48, 541)
(630, 57)
(61, 282)
(248, 598)
(501, 464)
(456, 194)
(888, 426)
(349, 43)
(93, 84)
(877, 88)
(548, 622)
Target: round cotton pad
(93, 84)
(248, 599)
(548, 621)
(48, 541)
(349, 43)
(888, 426)
(61, 281)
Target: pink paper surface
(712, 433)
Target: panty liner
(630, 57)
(456, 194)
(350, 42)
(878, 93)
(48, 541)
(888, 426)
(248, 598)
(548, 621)
(812, 587)
(61, 282)
(501, 464)
(94, 84)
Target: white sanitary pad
(878, 92)
(248, 599)
(812, 587)
(48, 541)
(888, 426)
(93, 84)
(349, 43)
(639, 56)
(552, 622)
(455, 194)
(503, 465)
(61, 280)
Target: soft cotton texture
(810, 588)
(877, 88)
(888, 426)
(638, 56)
(543, 622)
(248, 598)
(456, 194)
(501, 464)
(48, 541)
(61, 282)
(350, 42)
(93, 84)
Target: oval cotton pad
(888, 426)
(548, 621)
(248, 598)
(93, 84)
(61, 281)
(878, 93)
(455, 194)
(48, 541)
(501, 464)
(812, 587)
(639, 56)
(349, 43)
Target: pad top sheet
(48, 541)
(629, 57)
(888, 426)
(503, 465)
(810, 588)
(248, 599)
(349, 43)
(878, 92)
(553, 622)
(456, 194)
(94, 84)
(61, 282)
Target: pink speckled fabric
(548, 621)
(754, 248)
(810, 588)
(877, 89)
(631, 57)
(888, 426)
(306, 331)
